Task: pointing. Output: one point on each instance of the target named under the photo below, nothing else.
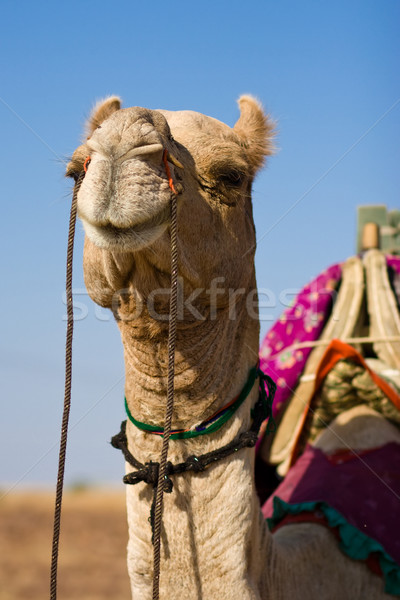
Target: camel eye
(232, 178)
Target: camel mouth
(130, 238)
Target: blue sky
(327, 72)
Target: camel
(215, 543)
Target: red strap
(168, 171)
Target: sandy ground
(92, 560)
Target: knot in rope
(149, 474)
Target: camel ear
(256, 129)
(102, 110)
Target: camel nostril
(153, 152)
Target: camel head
(124, 198)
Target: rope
(149, 471)
(67, 394)
(162, 478)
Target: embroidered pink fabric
(302, 322)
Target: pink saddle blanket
(358, 494)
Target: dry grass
(92, 561)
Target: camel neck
(211, 425)
(213, 360)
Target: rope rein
(67, 393)
(173, 312)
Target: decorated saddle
(339, 346)
(338, 304)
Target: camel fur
(214, 543)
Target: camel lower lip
(159, 218)
(130, 238)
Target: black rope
(149, 471)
